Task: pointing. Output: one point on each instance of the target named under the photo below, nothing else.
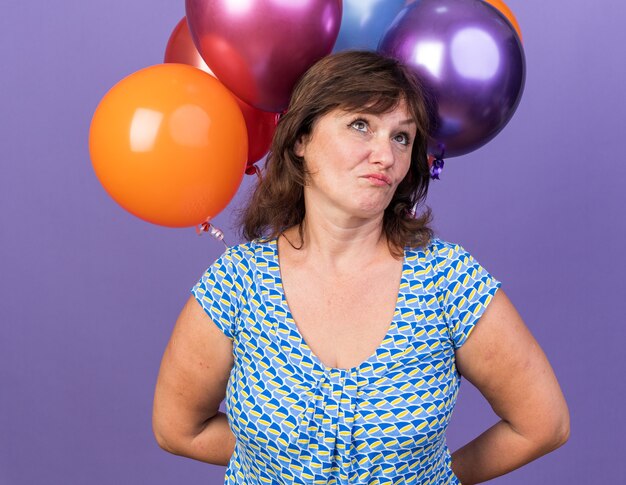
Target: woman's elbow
(556, 434)
(561, 434)
(164, 439)
(162, 442)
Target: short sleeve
(465, 289)
(219, 292)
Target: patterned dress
(297, 421)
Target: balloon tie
(279, 116)
(213, 231)
(258, 172)
(437, 166)
(254, 169)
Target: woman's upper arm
(504, 361)
(192, 379)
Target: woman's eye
(402, 138)
(359, 125)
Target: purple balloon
(260, 48)
(471, 62)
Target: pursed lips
(379, 176)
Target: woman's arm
(191, 385)
(503, 360)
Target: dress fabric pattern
(297, 421)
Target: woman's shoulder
(245, 252)
(437, 248)
(440, 257)
(452, 262)
(242, 249)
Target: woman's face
(357, 160)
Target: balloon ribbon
(437, 166)
(252, 169)
(213, 231)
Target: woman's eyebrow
(346, 113)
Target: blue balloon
(364, 22)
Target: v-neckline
(290, 321)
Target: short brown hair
(362, 81)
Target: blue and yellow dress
(297, 421)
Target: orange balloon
(506, 11)
(169, 144)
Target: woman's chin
(369, 211)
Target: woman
(361, 388)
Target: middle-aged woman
(340, 331)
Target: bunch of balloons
(171, 142)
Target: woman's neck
(338, 245)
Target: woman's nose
(382, 152)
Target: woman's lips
(378, 179)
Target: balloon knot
(437, 163)
(279, 116)
(213, 231)
(436, 168)
(254, 169)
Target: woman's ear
(299, 146)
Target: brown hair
(362, 81)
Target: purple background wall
(89, 294)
